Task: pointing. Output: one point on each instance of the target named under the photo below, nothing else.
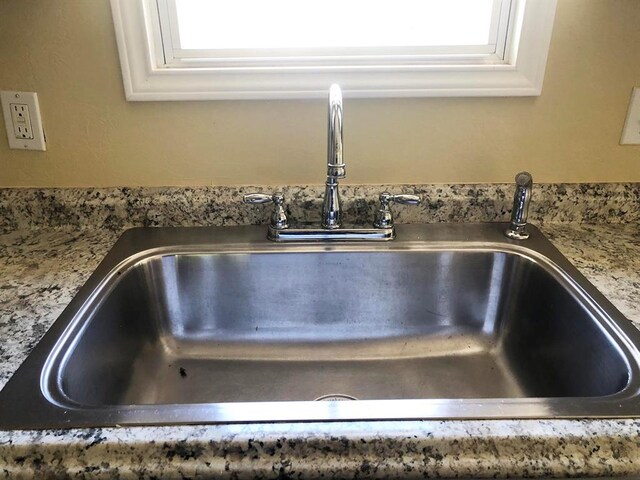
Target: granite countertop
(43, 268)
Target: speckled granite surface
(117, 208)
(42, 269)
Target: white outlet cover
(31, 100)
(631, 132)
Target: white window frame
(155, 68)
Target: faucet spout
(335, 162)
(331, 206)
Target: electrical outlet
(631, 132)
(22, 118)
(21, 121)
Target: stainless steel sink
(219, 325)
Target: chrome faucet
(331, 206)
(518, 227)
(331, 221)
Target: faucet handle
(386, 197)
(384, 217)
(258, 198)
(279, 216)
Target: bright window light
(285, 24)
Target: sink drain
(335, 397)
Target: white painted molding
(147, 78)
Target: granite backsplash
(119, 208)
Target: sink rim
(49, 410)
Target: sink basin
(219, 325)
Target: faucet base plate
(325, 235)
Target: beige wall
(65, 50)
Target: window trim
(148, 76)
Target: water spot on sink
(335, 397)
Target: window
(219, 49)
